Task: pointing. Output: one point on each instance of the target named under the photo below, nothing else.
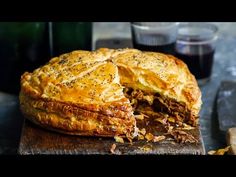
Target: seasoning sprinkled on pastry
(99, 93)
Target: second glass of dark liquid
(154, 36)
(195, 45)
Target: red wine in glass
(199, 59)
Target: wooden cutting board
(36, 140)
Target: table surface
(224, 68)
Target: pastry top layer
(158, 72)
(98, 77)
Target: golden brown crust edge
(75, 121)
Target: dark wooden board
(36, 140)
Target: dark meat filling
(157, 104)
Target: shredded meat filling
(172, 115)
(156, 103)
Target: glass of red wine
(154, 36)
(195, 45)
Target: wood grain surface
(36, 140)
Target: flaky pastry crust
(81, 92)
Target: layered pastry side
(100, 93)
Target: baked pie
(99, 93)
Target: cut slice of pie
(97, 93)
(160, 82)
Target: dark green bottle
(69, 36)
(24, 46)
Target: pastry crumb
(149, 137)
(113, 147)
(219, 151)
(119, 139)
(158, 138)
(146, 148)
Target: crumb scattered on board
(113, 147)
(146, 148)
(151, 137)
(174, 131)
(158, 138)
(119, 139)
(219, 151)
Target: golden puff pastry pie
(98, 93)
